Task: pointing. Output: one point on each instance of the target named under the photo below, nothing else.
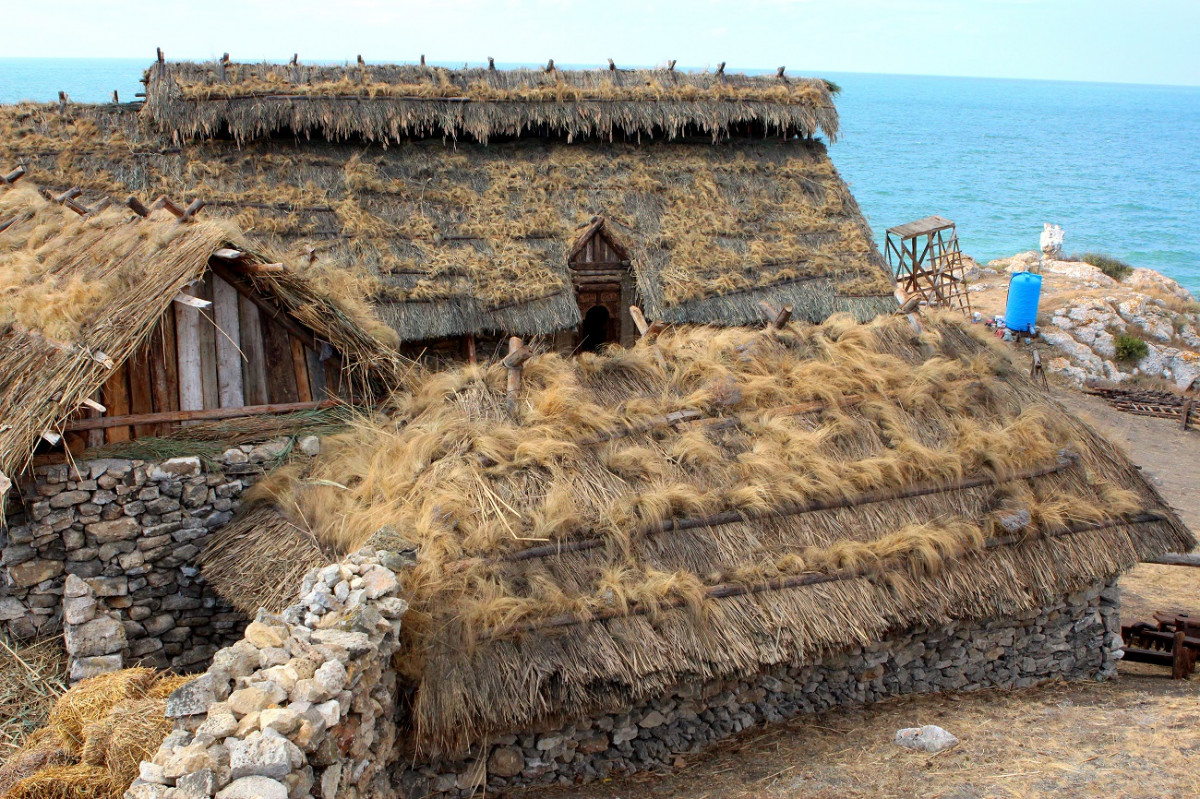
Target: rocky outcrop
(1083, 312)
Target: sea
(1116, 165)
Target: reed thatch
(78, 295)
(449, 239)
(391, 102)
(700, 508)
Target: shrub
(1131, 348)
(1113, 267)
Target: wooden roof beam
(13, 177)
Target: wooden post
(14, 176)
(254, 376)
(1186, 415)
(192, 209)
(517, 355)
(639, 319)
(471, 359)
(136, 206)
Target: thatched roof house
(483, 202)
(697, 509)
(115, 326)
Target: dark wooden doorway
(604, 289)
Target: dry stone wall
(304, 705)
(105, 551)
(1076, 637)
(307, 705)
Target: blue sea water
(1117, 165)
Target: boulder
(175, 468)
(930, 738)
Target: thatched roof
(470, 238)
(697, 509)
(390, 102)
(78, 294)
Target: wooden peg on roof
(550, 65)
(192, 302)
(779, 72)
(671, 65)
(63, 99)
(98, 207)
(192, 209)
(166, 202)
(95, 406)
(160, 55)
(116, 97)
(361, 63)
(776, 317)
(136, 206)
(7, 224)
(14, 176)
(721, 68)
(611, 66)
(422, 59)
(69, 194)
(491, 64)
(295, 59)
(311, 252)
(224, 58)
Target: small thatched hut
(114, 326)
(712, 507)
(480, 203)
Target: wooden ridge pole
(195, 415)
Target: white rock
(253, 788)
(309, 445)
(174, 468)
(930, 738)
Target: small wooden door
(604, 290)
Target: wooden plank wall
(227, 356)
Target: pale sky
(1131, 41)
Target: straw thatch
(449, 239)
(95, 739)
(390, 102)
(78, 295)
(701, 508)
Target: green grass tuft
(1113, 267)
(1131, 349)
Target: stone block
(83, 668)
(174, 469)
(263, 754)
(121, 529)
(100, 636)
(109, 586)
(191, 699)
(254, 788)
(30, 573)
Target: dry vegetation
(32, 676)
(94, 738)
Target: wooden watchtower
(928, 262)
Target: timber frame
(927, 262)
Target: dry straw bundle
(700, 507)
(95, 738)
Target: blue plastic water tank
(1024, 291)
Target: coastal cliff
(1090, 323)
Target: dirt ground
(1134, 737)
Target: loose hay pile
(95, 737)
(702, 507)
(32, 676)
